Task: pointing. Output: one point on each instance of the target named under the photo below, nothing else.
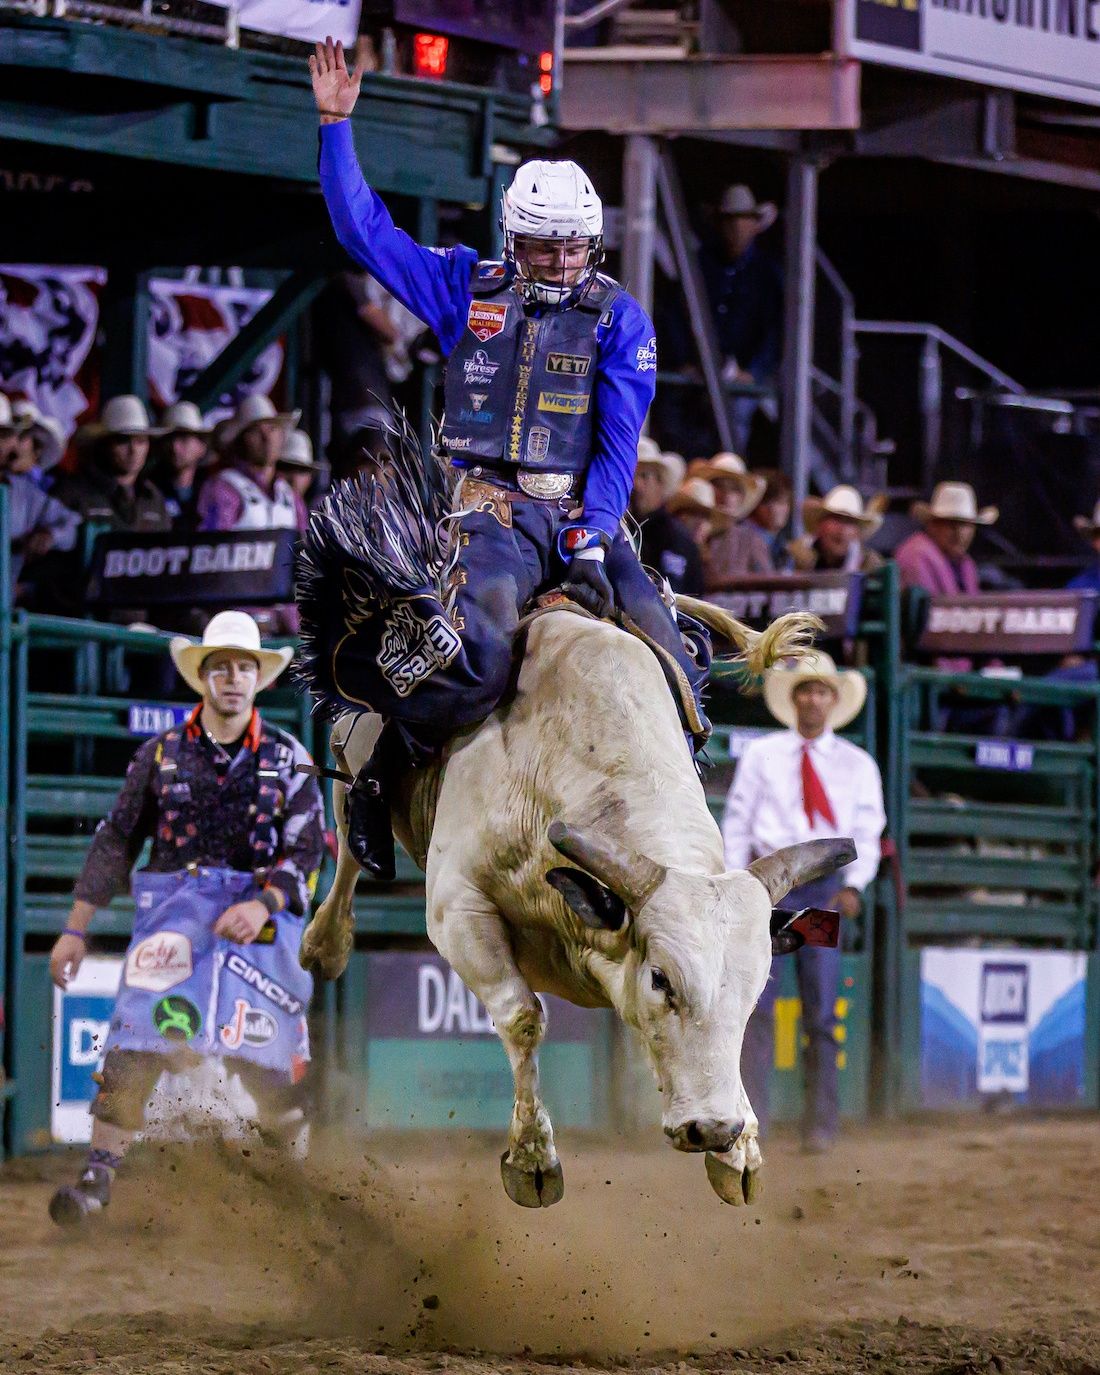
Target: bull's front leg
(472, 937)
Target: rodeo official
(212, 968)
(551, 368)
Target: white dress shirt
(764, 809)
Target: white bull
(588, 762)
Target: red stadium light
(430, 54)
(546, 72)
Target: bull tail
(789, 636)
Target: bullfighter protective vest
(258, 510)
(518, 387)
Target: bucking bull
(587, 764)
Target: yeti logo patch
(412, 648)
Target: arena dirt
(966, 1247)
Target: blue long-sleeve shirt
(434, 284)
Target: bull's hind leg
(471, 935)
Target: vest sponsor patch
(490, 272)
(574, 364)
(646, 357)
(564, 402)
(414, 648)
(159, 962)
(486, 319)
(479, 371)
(538, 444)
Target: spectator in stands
(836, 527)
(248, 493)
(667, 545)
(296, 465)
(41, 444)
(745, 287)
(237, 838)
(806, 783)
(772, 514)
(110, 487)
(696, 507)
(936, 557)
(1089, 579)
(184, 450)
(37, 522)
(739, 549)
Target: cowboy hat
(850, 688)
(48, 432)
(672, 466)
(727, 467)
(122, 415)
(740, 200)
(251, 411)
(227, 630)
(184, 417)
(696, 498)
(297, 451)
(954, 501)
(846, 503)
(1087, 527)
(9, 419)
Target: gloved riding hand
(584, 549)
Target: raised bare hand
(335, 89)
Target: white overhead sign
(1046, 47)
(309, 20)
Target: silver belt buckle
(545, 486)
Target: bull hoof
(324, 957)
(752, 1185)
(541, 1189)
(728, 1182)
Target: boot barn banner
(1002, 1022)
(1047, 47)
(49, 350)
(309, 20)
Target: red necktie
(815, 800)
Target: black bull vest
(518, 388)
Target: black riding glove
(586, 579)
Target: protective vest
(266, 797)
(518, 387)
(260, 511)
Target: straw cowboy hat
(731, 468)
(49, 433)
(740, 200)
(1087, 527)
(672, 466)
(9, 419)
(124, 416)
(184, 417)
(251, 411)
(847, 504)
(696, 498)
(850, 688)
(954, 501)
(297, 450)
(227, 630)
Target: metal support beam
(639, 217)
(124, 320)
(798, 339)
(698, 305)
(291, 297)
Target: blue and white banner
(81, 1021)
(1002, 1021)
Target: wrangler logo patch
(564, 402)
(575, 364)
(486, 319)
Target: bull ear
(784, 940)
(630, 875)
(795, 865)
(596, 905)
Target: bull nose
(704, 1134)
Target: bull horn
(795, 865)
(634, 877)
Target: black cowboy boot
(369, 828)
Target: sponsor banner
(1002, 1022)
(1047, 47)
(1010, 623)
(310, 21)
(1012, 755)
(238, 567)
(835, 597)
(419, 996)
(153, 718)
(81, 1021)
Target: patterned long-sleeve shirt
(210, 816)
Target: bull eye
(661, 984)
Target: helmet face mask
(553, 230)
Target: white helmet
(553, 200)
